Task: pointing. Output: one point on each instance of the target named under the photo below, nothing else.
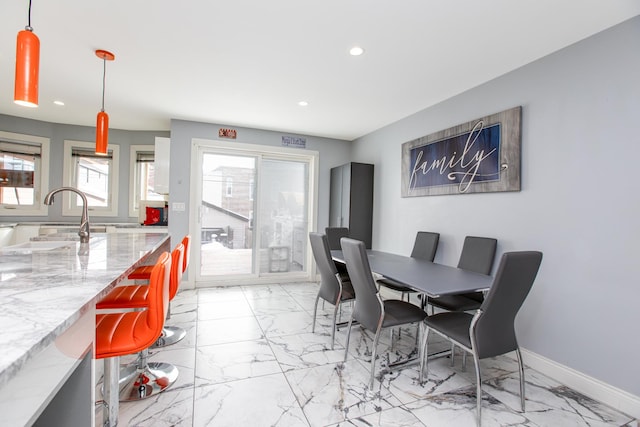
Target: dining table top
(429, 278)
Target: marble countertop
(75, 224)
(42, 293)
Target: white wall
(579, 202)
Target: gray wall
(579, 202)
(57, 133)
(332, 152)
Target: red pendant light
(27, 66)
(102, 123)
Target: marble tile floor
(250, 359)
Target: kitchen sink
(37, 246)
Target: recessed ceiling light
(356, 51)
(303, 103)
(58, 103)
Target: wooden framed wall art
(479, 156)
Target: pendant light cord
(29, 28)
(104, 78)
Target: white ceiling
(249, 62)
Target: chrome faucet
(83, 232)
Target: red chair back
(177, 257)
(158, 296)
(186, 241)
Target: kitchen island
(48, 294)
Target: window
(94, 175)
(229, 187)
(142, 171)
(23, 175)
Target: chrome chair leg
(333, 326)
(453, 353)
(374, 353)
(478, 390)
(346, 346)
(419, 334)
(424, 364)
(521, 372)
(315, 311)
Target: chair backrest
(334, 234)
(367, 309)
(425, 245)
(158, 296)
(494, 331)
(177, 260)
(329, 285)
(478, 254)
(186, 241)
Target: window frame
(68, 207)
(134, 177)
(41, 176)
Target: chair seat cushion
(453, 324)
(142, 272)
(132, 296)
(392, 284)
(398, 312)
(455, 303)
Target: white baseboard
(616, 398)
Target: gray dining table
(425, 277)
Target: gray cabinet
(351, 200)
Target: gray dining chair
(370, 310)
(424, 247)
(334, 234)
(491, 330)
(333, 287)
(478, 254)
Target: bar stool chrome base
(170, 335)
(136, 384)
(144, 379)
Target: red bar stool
(119, 334)
(134, 296)
(137, 296)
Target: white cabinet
(161, 165)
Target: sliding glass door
(253, 214)
(283, 215)
(227, 207)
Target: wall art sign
(479, 156)
(227, 133)
(294, 141)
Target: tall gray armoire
(351, 201)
